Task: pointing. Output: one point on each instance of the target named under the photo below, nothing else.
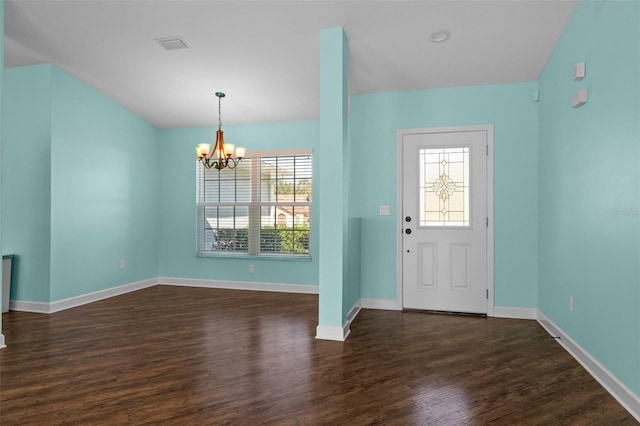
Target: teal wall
(333, 185)
(83, 199)
(26, 179)
(375, 120)
(177, 211)
(588, 187)
(125, 207)
(354, 265)
(1, 72)
(104, 191)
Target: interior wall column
(330, 160)
(2, 345)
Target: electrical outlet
(251, 269)
(122, 264)
(571, 303)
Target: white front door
(445, 220)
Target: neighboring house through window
(261, 207)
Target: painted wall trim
(353, 312)
(83, 299)
(625, 396)
(29, 306)
(339, 334)
(333, 332)
(240, 285)
(382, 304)
(2, 345)
(515, 313)
(498, 311)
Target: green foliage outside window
(280, 239)
(303, 187)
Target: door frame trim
(488, 128)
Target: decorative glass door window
(444, 187)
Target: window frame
(254, 216)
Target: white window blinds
(261, 207)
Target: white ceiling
(265, 54)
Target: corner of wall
(2, 345)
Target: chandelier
(222, 154)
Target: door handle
(407, 231)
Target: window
(444, 186)
(261, 207)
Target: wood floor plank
(194, 356)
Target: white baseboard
(83, 299)
(59, 305)
(2, 345)
(239, 285)
(383, 304)
(515, 313)
(498, 311)
(353, 312)
(625, 396)
(329, 332)
(29, 306)
(333, 332)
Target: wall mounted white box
(579, 71)
(579, 98)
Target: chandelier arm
(209, 164)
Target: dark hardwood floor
(193, 356)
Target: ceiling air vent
(172, 43)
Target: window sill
(263, 256)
